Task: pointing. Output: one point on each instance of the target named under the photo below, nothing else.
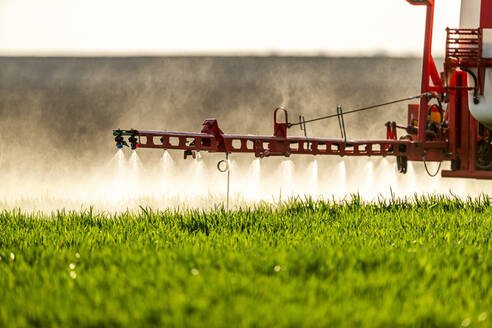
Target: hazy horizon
(220, 28)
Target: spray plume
(56, 149)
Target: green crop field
(424, 262)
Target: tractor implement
(451, 122)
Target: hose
(427, 170)
(476, 100)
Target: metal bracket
(302, 124)
(341, 123)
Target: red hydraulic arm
(429, 70)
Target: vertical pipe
(228, 179)
(472, 166)
(453, 106)
(425, 71)
(465, 126)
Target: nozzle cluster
(120, 140)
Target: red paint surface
(486, 14)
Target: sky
(220, 27)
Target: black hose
(476, 100)
(427, 170)
(439, 109)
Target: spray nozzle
(133, 142)
(189, 152)
(120, 142)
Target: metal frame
(456, 143)
(212, 139)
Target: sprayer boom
(452, 122)
(212, 139)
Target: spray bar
(212, 139)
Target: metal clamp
(223, 165)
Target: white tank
(475, 14)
